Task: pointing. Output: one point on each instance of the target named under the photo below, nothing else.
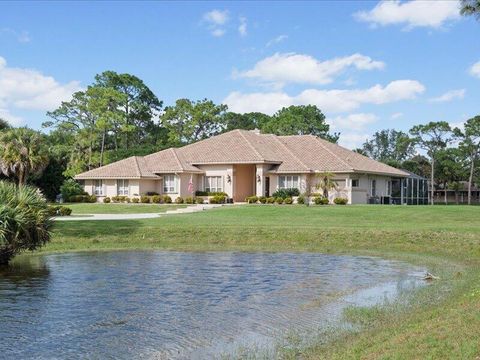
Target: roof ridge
(331, 152)
(290, 151)
(249, 144)
(176, 158)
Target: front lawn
(443, 320)
(99, 208)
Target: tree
(247, 121)
(139, 106)
(418, 164)
(325, 183)
(4, 125)
(300, 120)
(432, 138)
(450, 169)
(22, 153)
(389, 146)
(24, 220)
(470, 7)
(470, 147)
(190, 121)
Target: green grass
(441, 320)
(98, 208)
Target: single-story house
(243, 163)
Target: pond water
(183, 305)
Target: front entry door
(267, 187)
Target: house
(457, 195)
(242, 163)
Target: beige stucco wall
(225, 171)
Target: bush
(301, 199)
(24, 218)
(320, 200)
(251, 199)
(271, 200)
(107, 200)
(217, 199)
(205, 193)
(199, 200)
(64, 211)
(279, 200)
(289, 201)
(201, 193)
(135, 200)
(157, 199)
(167, 199)
(189, 200)
(145, 199)
(127, 199)
(285, 193)
(262, 199)
(71, 188)
(340, 201)
(151, 193)
(179, 200)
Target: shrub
(201, 193)
(284, 193)
(289, 201)
(217, 199)
(189, 200)
(251, 199)
(91, 198)
(145, 199)
(135, 200)
(210, 193)
(71, 188)
(127, 199)
(301, 199)
(179, 200)
(115, 199)
(320, 200)
(157, 199)
(340, 201)
(279, 200)
(151, 193)
(271, 200)
(106, 200)
(24, 218)
(199, 200)
(64, 211)
(167, 199)
(262, 199)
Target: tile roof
(288, 154)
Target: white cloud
(326, 100)
(21, 36)
(280, 69)
(277, 40)
(30, 89)
(216, 20)
(396, 115)
(475, 70)
(242, 28)
(415, 13)
(449, 96)
(352, 140)
(352, 121)
(11, 119)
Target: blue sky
(368, 65)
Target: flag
(190, 185)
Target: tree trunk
(431, 180)
(445, 193)
(470, 180)
(103, 147)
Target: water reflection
(179, 304)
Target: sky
(367, 65)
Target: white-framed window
(98, 187)
(288, 182)
(213, 184)
(355, 183)
(122, 187)
(169, 184)
(374, 187)
(389, 188)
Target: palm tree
(326, 183)
(22, 153)
(470, 7)
(24, 220)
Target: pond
(184, 305)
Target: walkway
(187, 210)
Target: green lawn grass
(99, 208)
(443, 320)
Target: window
(374, 187)
(98, 187)
(213, 184)
(355, 182)
(169, 184)
(122, 187)
(288, 182)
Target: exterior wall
(244, 181)
(225, 171)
